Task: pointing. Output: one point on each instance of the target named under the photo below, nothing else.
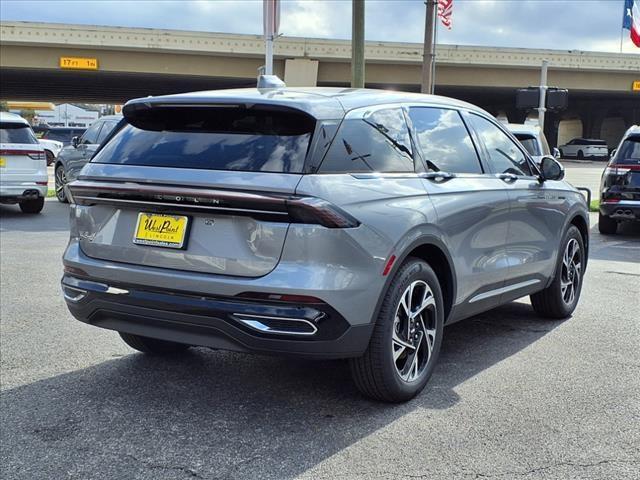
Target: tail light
(33, 154)
(615, 170)
(37, 155)
(316, 210)
(278, 207)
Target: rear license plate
(161, 230)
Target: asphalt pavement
(513, 395)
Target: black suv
(620, 184)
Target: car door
(537, 210)
(471, 205)
(78, 156)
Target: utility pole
(543, 94)
(429, 53)
(357, 43)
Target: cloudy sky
(559, 24)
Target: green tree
(28, 114)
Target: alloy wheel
(414, 331)
(60, 182)
(571, 271)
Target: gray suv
(74, 156)
(324, 223)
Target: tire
(580, 155)
(32, 206)
(607, 225)
(376, 374)
(556, 301)
(60, 181)
(50, 157)
(152, 346)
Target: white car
(23, 165)
(532, 139)
(582, 148)
(51, 149)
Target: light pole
(543, 94)
(357, 43)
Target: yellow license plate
(3, 162)
(161, 230)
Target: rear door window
(504, 154)
(107, 128)
(243, 139)
(377, 141)
(16, 133)
(91, 135)
(629, 152)
(443, 140)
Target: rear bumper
(622, 210)
(215, 322)
(16, 191)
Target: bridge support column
(592, 122)
(301, 72)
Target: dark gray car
(324, 223)
(73, 157)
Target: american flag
(445, 7)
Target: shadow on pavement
(224, 415)
(624, 246)
(53, 218)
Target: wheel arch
(582, 224)
(434, 252)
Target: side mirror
(550, 169)
(75, 141)
(556, 152)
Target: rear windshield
(629, 152)
(242, 139)
(529, 142)
(16, 133)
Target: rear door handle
(507, 177)
(438, 176)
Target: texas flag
(631, 20)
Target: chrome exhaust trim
(260, 323)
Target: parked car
(62, 134)
(533, 140)
(620, 184)
(322, 223)
(582, 148)
(51, 149)
(73, 157)
(23, 165)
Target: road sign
(79, 63)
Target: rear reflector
(42, 183)
(277, 297)
(389, 265)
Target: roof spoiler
(270, 81)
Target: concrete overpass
(134, 62)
